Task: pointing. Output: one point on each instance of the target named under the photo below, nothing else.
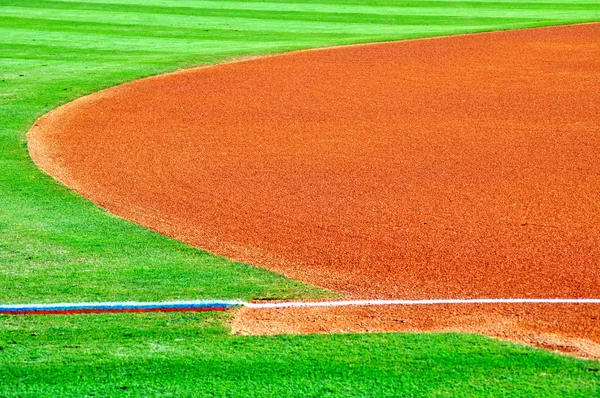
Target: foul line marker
(423, 302)
(223, 305)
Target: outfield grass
(56, 246)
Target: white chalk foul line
(424, 302)
(216, 305)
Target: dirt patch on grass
(531, 324)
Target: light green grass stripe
(129, 44)
(56, 55)
(247, 24)
(154, 45)
(149, 31)
(447, 8)
(386, 10)
(341, 4)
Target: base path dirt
(568, 328)
(458, 167)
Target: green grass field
(56, 246)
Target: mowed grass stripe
(395, 3)
(347, 7)
(123, 25)
(327, 12)
(154, 45)
(164, 31)
(51, 54)
(273, 25)
(128, 44)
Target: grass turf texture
(193, 355)
(56, 246)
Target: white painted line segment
(425, 302)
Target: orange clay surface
(458, 167)
(571, 329)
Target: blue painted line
(120, 306)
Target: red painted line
(100, 311)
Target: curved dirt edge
(43, 156)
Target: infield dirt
(458, 167)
